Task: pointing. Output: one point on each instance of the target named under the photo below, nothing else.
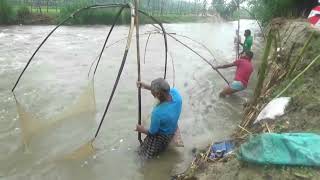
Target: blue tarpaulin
(220, 149)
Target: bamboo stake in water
(238, 33)
(136, 20)
(119, 72)
(107, 38)
(145, 48)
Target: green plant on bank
(23, 13)
(263, 10)
(106, 16)
(225, 9)
(6, 12)
(263, 68)
(302, 51)
(301, 81)
(266, 10)
(229, 9)
(44, 11)
(298, 76)
(96, 16)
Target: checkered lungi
(153, 145)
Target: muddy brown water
(58, 75)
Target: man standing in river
(248, 41)
(164, 118)
(242, 76)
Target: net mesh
(57, 128)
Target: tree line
(264, 10)
(159, 7)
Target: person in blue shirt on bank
(164, 118)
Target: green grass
(51, 11)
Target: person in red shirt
(242, 76)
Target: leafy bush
(23, 13)
(6, 12)
(265, 10)
(92, 16)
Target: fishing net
(82, 152)
(57, 128)
(53, 130)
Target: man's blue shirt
(165, 116)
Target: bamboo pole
(119, 72)
(173, 71)
(107, 38)
(55, 28)
(300, 74)
(300, 54)
(164, 37)
(145, 48)
(238, 33)
(263, 68)
(267, 126)
(244, 129)
(188, 47)
(136, 20)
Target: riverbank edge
(302, 115)
(45, 19)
